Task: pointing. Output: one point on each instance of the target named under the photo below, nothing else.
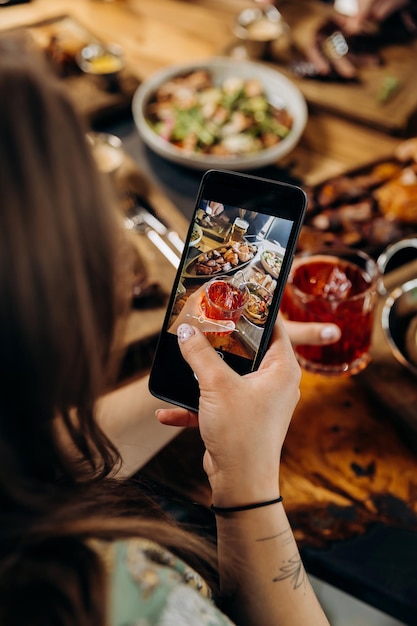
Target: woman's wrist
(239, 495)
(250, 506)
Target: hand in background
(371, 12)
(214, 208)
(311, 333)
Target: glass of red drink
(224, 299)
(338, 285)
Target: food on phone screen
(196, 235)
(272, 262)
(253, 274)
(226, 258)
(257, 307)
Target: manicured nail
(184, 332)
(329, 332)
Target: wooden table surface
(343, 449)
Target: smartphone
(237, 256)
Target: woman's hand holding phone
(243, 420)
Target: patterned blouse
(149, 586)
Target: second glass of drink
(239, 229)
(334, 285)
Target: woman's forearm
(127, 417)
(267, 583)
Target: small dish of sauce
(105, 62)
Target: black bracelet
(244, 507)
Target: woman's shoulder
(150, 586)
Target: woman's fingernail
(184, 332)
(329, 332)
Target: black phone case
(171, 378)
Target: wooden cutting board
(356, 101)
(389, 382)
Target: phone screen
(231, 277)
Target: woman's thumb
(197, 350)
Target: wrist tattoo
(292, 569)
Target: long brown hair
(61, 293)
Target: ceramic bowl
(196, 236)
(271, 257)
(280, 91)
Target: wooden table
(157, 33)
(343, 452)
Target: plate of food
(271, 258)
(196, 235)
(257, 309)
(368, 207)
(255, 274)
(220, 112)
(226, 259)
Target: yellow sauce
(106, 63)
